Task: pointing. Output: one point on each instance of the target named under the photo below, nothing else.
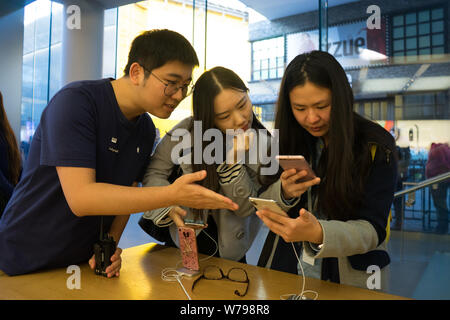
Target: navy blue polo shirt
(82, 126)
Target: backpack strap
(373, 151)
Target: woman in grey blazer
(341, 225)
(220, 103)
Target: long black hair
(210, 84)
(14, 157)
(344, 164)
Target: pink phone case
(188, 248)
(296, 162)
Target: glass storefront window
(408, 26)
(110, 43)
(268, 58)
(41, 64)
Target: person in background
(438, 163)
(10, 159)
(341, 224)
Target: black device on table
(103, 251)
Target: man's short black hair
(154, 48)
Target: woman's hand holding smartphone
(177, 214)
(297, 176)
(291, 187)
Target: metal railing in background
(411, 198)
(410, 192)
(423, 184)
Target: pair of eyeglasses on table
(212, 272)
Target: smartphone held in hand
(195, 220)
(194, 223)
(296, 162)
(269, 204)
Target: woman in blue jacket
(341, 224)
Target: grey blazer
(236, 229)
(344, 239)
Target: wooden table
(140, 279)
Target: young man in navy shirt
(89, 152)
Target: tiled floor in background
(435, 281)
(419, 267)
(420, 261)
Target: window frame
(278, 69)
(403, 53)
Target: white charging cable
(172, 274)
(301, 296)
(217, 247)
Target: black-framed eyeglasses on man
(172, 87)
(216, 273)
